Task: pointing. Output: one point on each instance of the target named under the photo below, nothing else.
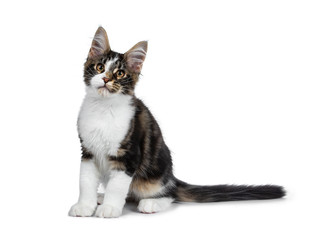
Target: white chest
(103, 123)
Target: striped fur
(137, 149)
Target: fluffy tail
(219, 193)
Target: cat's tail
(218, 193)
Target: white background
(234, 86)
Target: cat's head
(107, 73)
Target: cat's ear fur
(136, 56)
(100, 43)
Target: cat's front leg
(89, 179)
(115, 194)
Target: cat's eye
(120, 74)
(100, 67)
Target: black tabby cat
(122, 145)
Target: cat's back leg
(153, 205)
(153, 195)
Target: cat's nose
(106, 79)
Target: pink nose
(106, 79)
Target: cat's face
(107, 73)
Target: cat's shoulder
(140, 105)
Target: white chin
(103, 92)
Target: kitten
(122, 145)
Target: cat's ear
(135, 56)
(100, 43)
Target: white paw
(154, 205)
(148, 206)
(107, 211)
(82, 210)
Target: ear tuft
(136, 56)
(100, 43)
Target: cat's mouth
(104, 87)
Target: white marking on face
(97, 81)
(109, 64)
